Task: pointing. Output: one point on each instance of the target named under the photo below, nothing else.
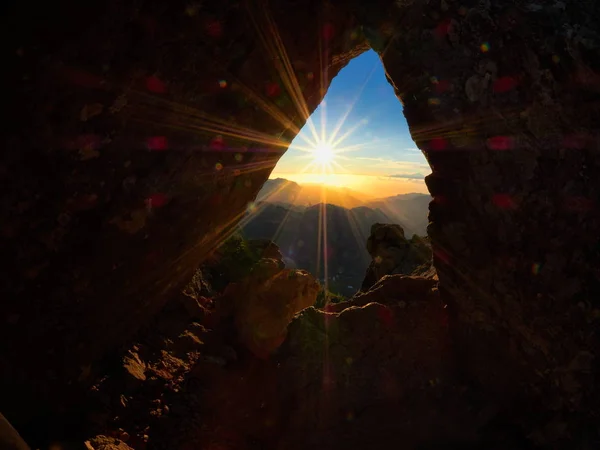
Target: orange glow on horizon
(375, 186)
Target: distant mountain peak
(280, 190)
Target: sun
(323, 154)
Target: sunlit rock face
(263, 304)
(136, 134)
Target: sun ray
(355, 127)
(196, 121)
(355, 229)
(325, 248)
(350, 108)
(283, 222)
(275, 47)
(259, 100)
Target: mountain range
(282, 191)
(306, 229)
(408, 210)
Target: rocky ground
(254, 366)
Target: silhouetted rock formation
(392, 254)
(391, 289)
(136, 133)
(378, 375)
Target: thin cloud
(394, 164)
(410, 176)
(365, 158)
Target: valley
(324, 237)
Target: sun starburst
(323, 154)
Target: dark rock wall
(137, 132)
(502, 97)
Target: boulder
(106, 443)
(265, 302)
(392, 253)
(198, 286)
(135, 368)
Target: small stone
(134, 366)
(102, 442)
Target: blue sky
(378, 149)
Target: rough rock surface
(136, 134)
(392, 289)
(106, 443)
(379, 375)
(138, 395)
(263, 304)
(392, 254)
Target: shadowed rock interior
(137, 132)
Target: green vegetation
(325, 297)
(232, 261)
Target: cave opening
(133, 149)
(352, 165)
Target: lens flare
(323, 154)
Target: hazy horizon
(369, 185)
(307, 194)
(357, 138)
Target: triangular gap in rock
(352, 165)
